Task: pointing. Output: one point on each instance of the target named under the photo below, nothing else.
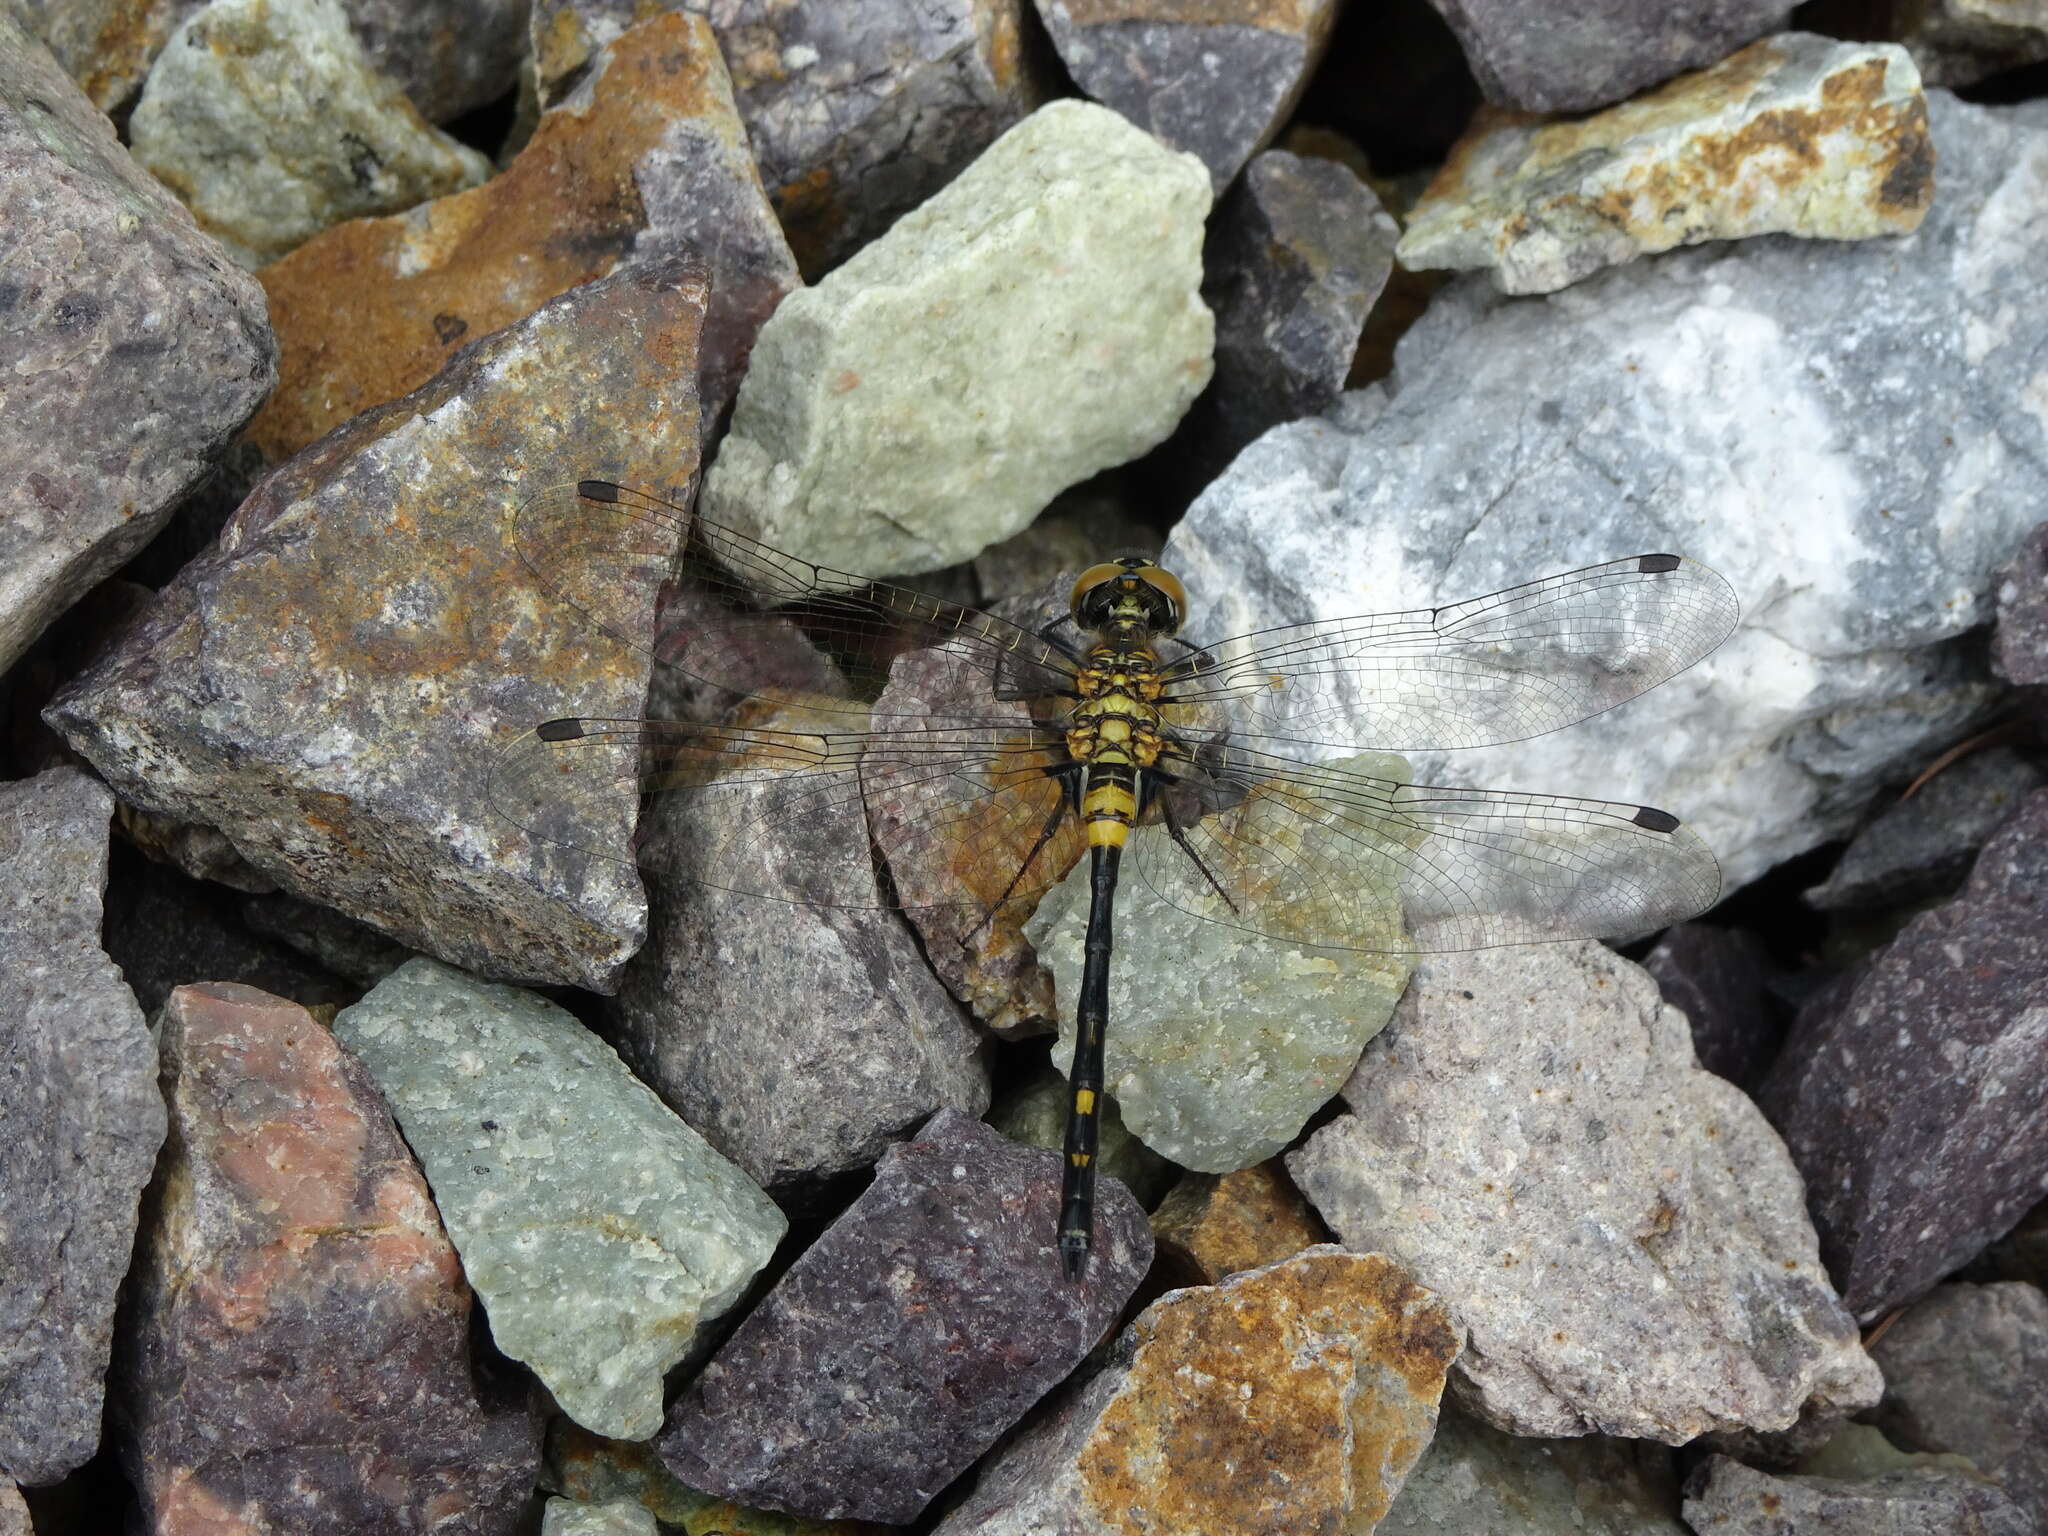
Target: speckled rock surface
(1475, 1481)
(857, 110)
(1719, 978)
(344, 749)
(601, 1232)
(1216, 1225)
(1966, 1371)
(645, 161)
(922, 1325)
(1552, 61)
(1726, 1498)
(1959, 42)
(83, 1119)
(2019, 645)
(595, 1470)
(1215, 79)
(271, 123)
(620, 1517)
(13, 1512)
(297, 1357)
(1620, 1232)
(1741, 404)
(1913, 1100)
(1328, 1365)
(1046, 300)
(132, 350)
(1797, 134)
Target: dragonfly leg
(1179, 836)
(1069, 803)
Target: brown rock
(13, 1513)
(647, 158)
(297, 1355)
(1216, 1225)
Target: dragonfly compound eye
(1102, 589)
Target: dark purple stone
(1719, 978)
(2019, 645)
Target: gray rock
(2019, 646)
(271, 123)
(1290, 1398)
(1546, 60)
(1797, 134)
(330, 686)
(1725, 1496)
(1719, 978)
(621, 1517)
(1737, 404)
(601, 1232)
(1912, 1097)
(1959, 42)
(131, 350)
(1217, 80)
(1966, 1371)
(330, 939)
(1475, 1481)
(1620, 1233)
(857, 112)
(83, 1118)
(917, 1329)
(1924, 846)
(13, 1512)
(295, 1352)
(1046, 302)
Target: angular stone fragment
(1797, 135)
(595, 1470)
(1959, 42)
(299, 1353)
(1217, 1226)
(600, 1231)
(1222, 1042)
(13, 1512)
(330, 939)
(271, 123)
(1849, 660)
(620, 1517)
(131, 350)
(1725, 1498)
(857, 110)
(1045, 302)
(1216, 79)
(1719, 979)
(1475, 1481)
(329, 687)
(82, 1122)
(2019, 645)
(1913, 1101)
(1620, 1232)
(1287, 1399)
(645, 161)
(918, 1328)
(1545, 60)
(800, 1039)
(1966, 1371)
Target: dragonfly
(1073, 735)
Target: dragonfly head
(1127, 590)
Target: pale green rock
(1038, 320)
(620, 1517)
(600, 1231)
(1222, 1041)
(271, 123)
(1858, 1452)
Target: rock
(132, 350)
(2022, 1254)
(13, 1512)
(1719, 978)
(1035, 1113)
(1850, 662)
(1216, 80)
(1296, 254)
(1725, 1496)
(621, 1517)
(901, 1344)
(1222, 1042)
(594, 1470)
(330, 686)
(330, 939)
(83, 1118)
(601, 1232)
(800, 1039)
(271, 123)
(1924, 846)
(1291, 1398)
(1475, 1481)
(2019, 645)
(1966, 1371)
(1797, 135)
(856, 113)
(297, 1358)
(1045, 302)
(373, 308)
(1620, 1233)
(1214, 1226)
(1912, 1099)
(1543, 61)
(1960, 42)
(1076, 530)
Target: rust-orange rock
(1213, 1226)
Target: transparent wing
(1500, 668)
(735, 613)
(790, 814)
(1330, 856)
